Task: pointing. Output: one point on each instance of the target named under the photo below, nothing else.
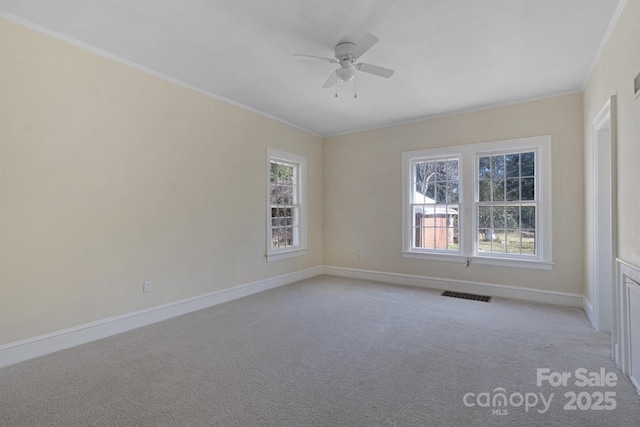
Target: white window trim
(408, 168)
(301, 248)
(467, 204)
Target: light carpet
(328, 352)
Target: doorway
(604, 211)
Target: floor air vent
(465, 295)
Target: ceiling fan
(346, 54)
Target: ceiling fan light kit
(346, 73)
(346, 55)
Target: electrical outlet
(359, 257)
(147, 286)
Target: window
(434, 204)
(506, 204)
(488, 203)
(286, 208)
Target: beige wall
(615, 70)
(110, 176)
(363, 191)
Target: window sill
(276, 256)
(491, 261)
(436, 257)
(514, 263)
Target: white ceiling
(449, 55)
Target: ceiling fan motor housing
(343, 52)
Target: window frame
(469, 203)
(412, 166)
(299, 249)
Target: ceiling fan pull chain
(336, 88)
(355, 86)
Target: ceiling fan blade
(364, 45)
(331, 80)
(315, 58)
(374, 69)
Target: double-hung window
(488, 203)
(286, 205)
(434, 204)
(506, 203)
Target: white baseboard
(503, 291)
(588, 309)
(30, 348)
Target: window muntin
(506, 204)
(286, 204)
(435, 204)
